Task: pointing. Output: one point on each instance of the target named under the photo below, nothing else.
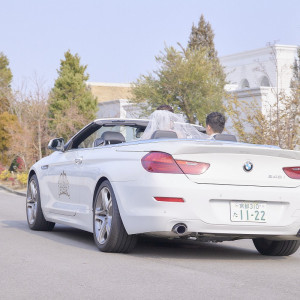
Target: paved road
(65, 264)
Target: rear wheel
(276, 248)
(109, 232)
(35, 216)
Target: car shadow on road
(149, 246)
(187, 249)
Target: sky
(119, 39)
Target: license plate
(245, 211)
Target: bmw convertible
(109, 181)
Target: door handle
(78, 160)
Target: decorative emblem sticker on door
(63, 185)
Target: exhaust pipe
(179, 228)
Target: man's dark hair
(216, 121)
(165, 107)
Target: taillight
(192, 167)
(292, 172)
(160, 162)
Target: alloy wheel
(31, 202)
(103, 215)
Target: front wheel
(35, 216)
(109, 232)
(276, 248)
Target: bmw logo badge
(248, 166)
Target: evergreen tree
(5, 81)
(71, 103)
(202, 37)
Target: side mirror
(57, 144)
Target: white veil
(166, 120)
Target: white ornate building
(260, 73)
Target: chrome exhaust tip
(179, 228)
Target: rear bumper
(161, 226)
(206, 208)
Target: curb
(12, 191)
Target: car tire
(35, 216)
(276, 248)
(109, 232)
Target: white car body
(213, 200)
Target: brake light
(192, 167)
(168, 199)
(160, 162)
(292, 172)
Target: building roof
(110, 91)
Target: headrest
(109, 138)
(163, 134)
(225, 137)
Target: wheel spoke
(34, 211)
(100, 212)
(30, 212)
(99, 218)
(103, 198)
(109, 208)
(108, 225)
(33, 190)
(102, 231)
(29, 200)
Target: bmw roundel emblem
(248, 166)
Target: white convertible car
(108, 181)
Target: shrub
(4, 175)
(22, 178)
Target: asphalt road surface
(65, 264)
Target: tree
(71, 94)
(31, 136)
(190, 80)
(7, 123)
(295, 87)
(5, 81)
(202, 37)
(185, 80)
(7, 120)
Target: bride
(164, 119)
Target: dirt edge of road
(20, 193)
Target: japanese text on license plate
(244, 211)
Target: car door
(63, 180)
(65, 176)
